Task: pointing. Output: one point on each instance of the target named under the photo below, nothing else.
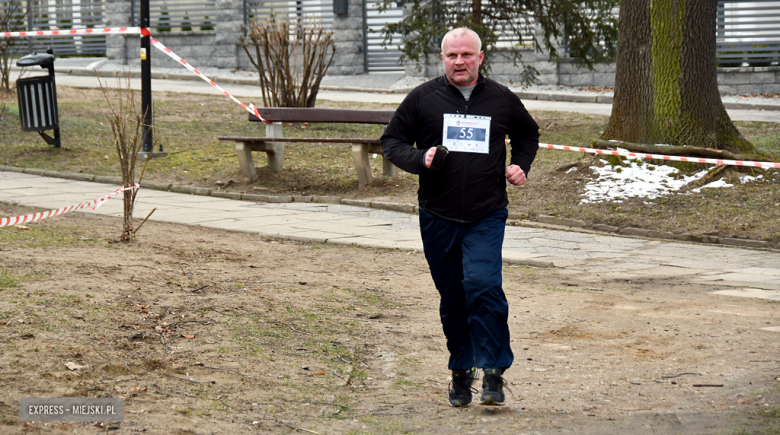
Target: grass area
(8, 279)
(42, 235)
(765, 136)
(299, 351)
(188, 126)
(767, 422)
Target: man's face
(461, 60)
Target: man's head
(461, 54)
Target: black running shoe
(461, 390)
(493, 387)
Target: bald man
(451, 131)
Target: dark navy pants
(465, 263)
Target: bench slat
(304, 114)
(299, 139)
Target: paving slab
(751, 293)
(583, 253)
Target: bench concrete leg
(244, 151)
(362, 165)
(389, 169)
(275, 152)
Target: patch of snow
(638, 180)
(714, 184)
(750, 179)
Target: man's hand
(514, 175)
(434, 157)
(429, 156)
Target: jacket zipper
(463, 175)
(463, 170)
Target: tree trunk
(666, 88)
(127, 227)
(476, 9)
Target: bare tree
(12, 19)
(291, 58)
(126, 121)
(3, 96)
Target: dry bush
(291, 58)
(126, 121)
(12, 19)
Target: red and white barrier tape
(251, 108)
(72, 32)
(662, 156)
(18, 220)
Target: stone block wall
(432, 69)
(118, 14)
(747, 81)
(348, 34)
(221, 48)
(197, 48)
(601, 76)
(230, 21)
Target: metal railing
(177, 16)
(377, 57)
(748, 33)
(62, 15)
(295, 10)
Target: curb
(654, 234)
(542, 96)
(521, 219)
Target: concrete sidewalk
(732, 271)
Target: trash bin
(38, 98)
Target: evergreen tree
(587, 29)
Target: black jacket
(469, 186)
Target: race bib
(466, 133)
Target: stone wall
(197, 48)
(118, 14)
(221, 48)
(504, 70)
(738, 81)
(348, 34)
(747, 81)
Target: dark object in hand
(438, 158)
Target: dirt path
(206, 331)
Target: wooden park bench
(273, 142)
